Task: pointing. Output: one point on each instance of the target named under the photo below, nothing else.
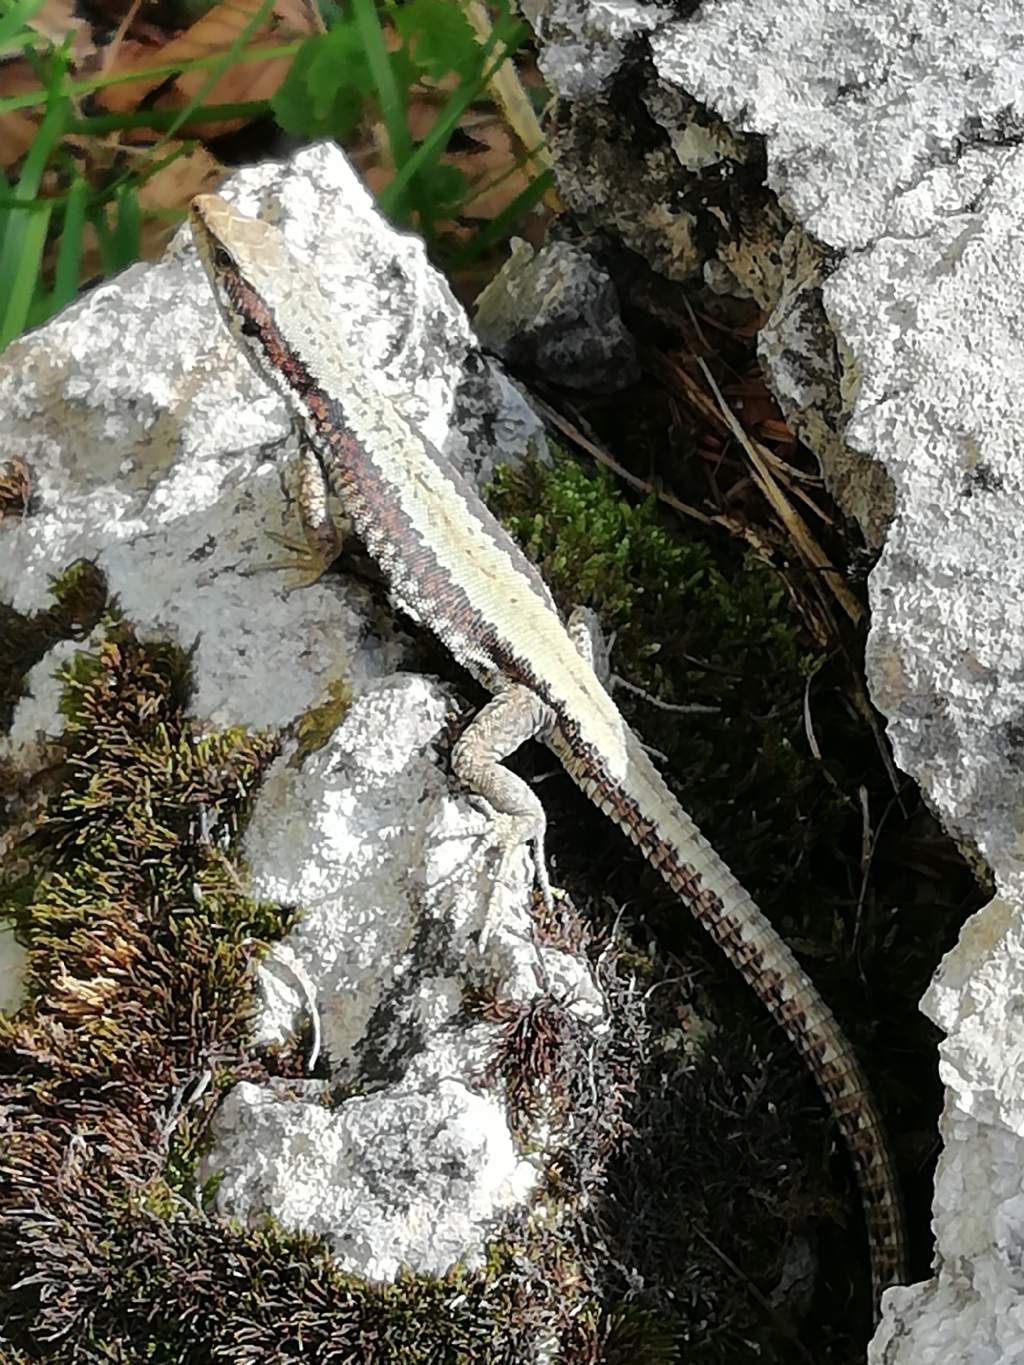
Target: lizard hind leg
(587, 634)
(595, 648)
(513, 716)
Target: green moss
(319, 723)
(139, 936)
(713, 1160)
(80, 599)
(692, 630)
(137, 1021)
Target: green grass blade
(13, 20)
(188, 111)
(502, 224)
(96, 125)
(28, 99)
(25, 280)
(51, 130)
(437, 139)
(392, 104)
(127, 235)
(20, 248)
(69, 253)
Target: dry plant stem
(824, 572)
(744, 531)
(864, 708)
(601, 455)
(674, 375)
(113, 48)
(514, 103)
(814, 556)
(809, 549)
(754, 1293)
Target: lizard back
(451, 565)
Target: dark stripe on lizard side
(375, 504)
(350, 462)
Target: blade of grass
(50, 131)
(15, 19)
(436, 140)
(803, 539)
(24, 282)
(138, 175)
(127, 235)
(97, 124)
(501, 225)
(117, 226)
(28, 99)
(69, 253)
(510, 96)
(392, 104)
(23, 215)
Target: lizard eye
(222, 259)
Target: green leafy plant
(336, 80)
(28, 215)
(337, 77)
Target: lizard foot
(306, 564)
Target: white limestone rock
(891, 137)
(406, 1177)
(584, 42)
(13, 961)
(154, 450)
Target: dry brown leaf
(55, 19)
(18, 128)
(195, 172)
(213, 34)
(491, 172)
(775, 429)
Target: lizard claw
(306, 564)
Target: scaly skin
(452, 566)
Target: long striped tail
(645, 809)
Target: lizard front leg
(516, 714)
(322, 540)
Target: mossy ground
(139, 933)
(690, 1167)
(724, 1163)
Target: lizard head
(265, 293)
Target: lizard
(450, 565)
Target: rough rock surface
(154, 450)
(556, 313)
(892, 135)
